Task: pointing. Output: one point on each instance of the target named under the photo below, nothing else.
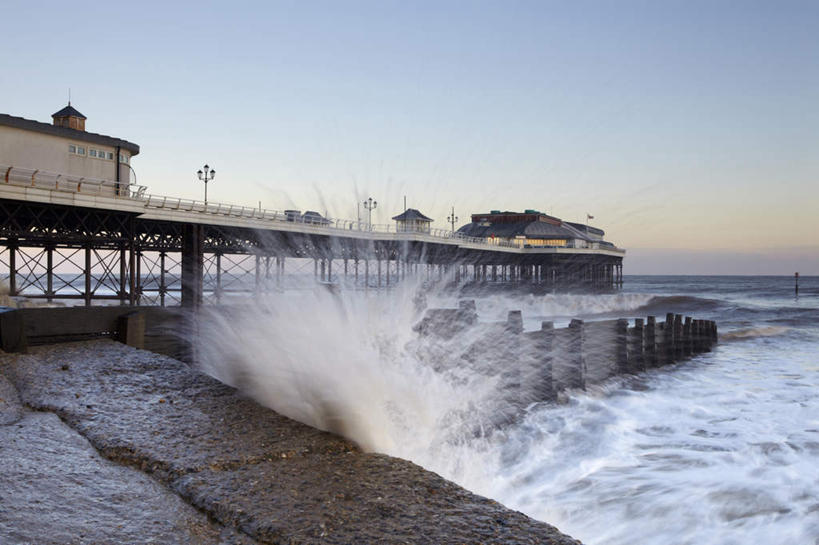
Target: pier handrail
(70, 183)
(67, 183)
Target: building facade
(533, 229)
(64, 150)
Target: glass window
(80, 150)
(110, 156)
(72, 148)
(92, 153)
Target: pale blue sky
(683, 125)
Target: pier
(71, 237)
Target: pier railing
(54, 181)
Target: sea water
(720, 449)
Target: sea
(720, 449)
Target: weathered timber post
(192, 265)
(679, 340)
(621, 352)
(668, 339)
(330, 269)
(650, 342)
(637, 361)
(379, 271)
(514, 322)
(388, 272)
(688, 337)
(577, 378)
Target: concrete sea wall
(106, 443)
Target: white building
(64, 151)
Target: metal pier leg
(122, 271)
(162, 287)
(218, 277)
(138, 277)
(13, 267)
(87, 275)
(192, 265)
(49, 273)
(257, 287)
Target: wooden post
(514, 322)
(577, 377)
(668, 339)
(621, 352)
(688, 338)
(796, 284)
(679, 340)
(637, 347)
(650, 342)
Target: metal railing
(69, 183)
(54, 181)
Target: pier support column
(218, 277)
(87, 275)
(192, 265)
(162, 287)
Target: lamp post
(452, 219)
(370, 205)
(206, 177)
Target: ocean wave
(670, 303)
(496, 307)
(752, 333)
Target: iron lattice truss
(66, 252)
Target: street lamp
(452, 219)
(370, 205)
(206, 177)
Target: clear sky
(689, 130)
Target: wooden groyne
(537, 365)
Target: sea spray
(338, 360)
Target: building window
(92, 153)
(80, 150)
(110, 156)
(72, 148)
(123, 159)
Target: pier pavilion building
(533, 229)
(64, 152)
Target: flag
(589, 216)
